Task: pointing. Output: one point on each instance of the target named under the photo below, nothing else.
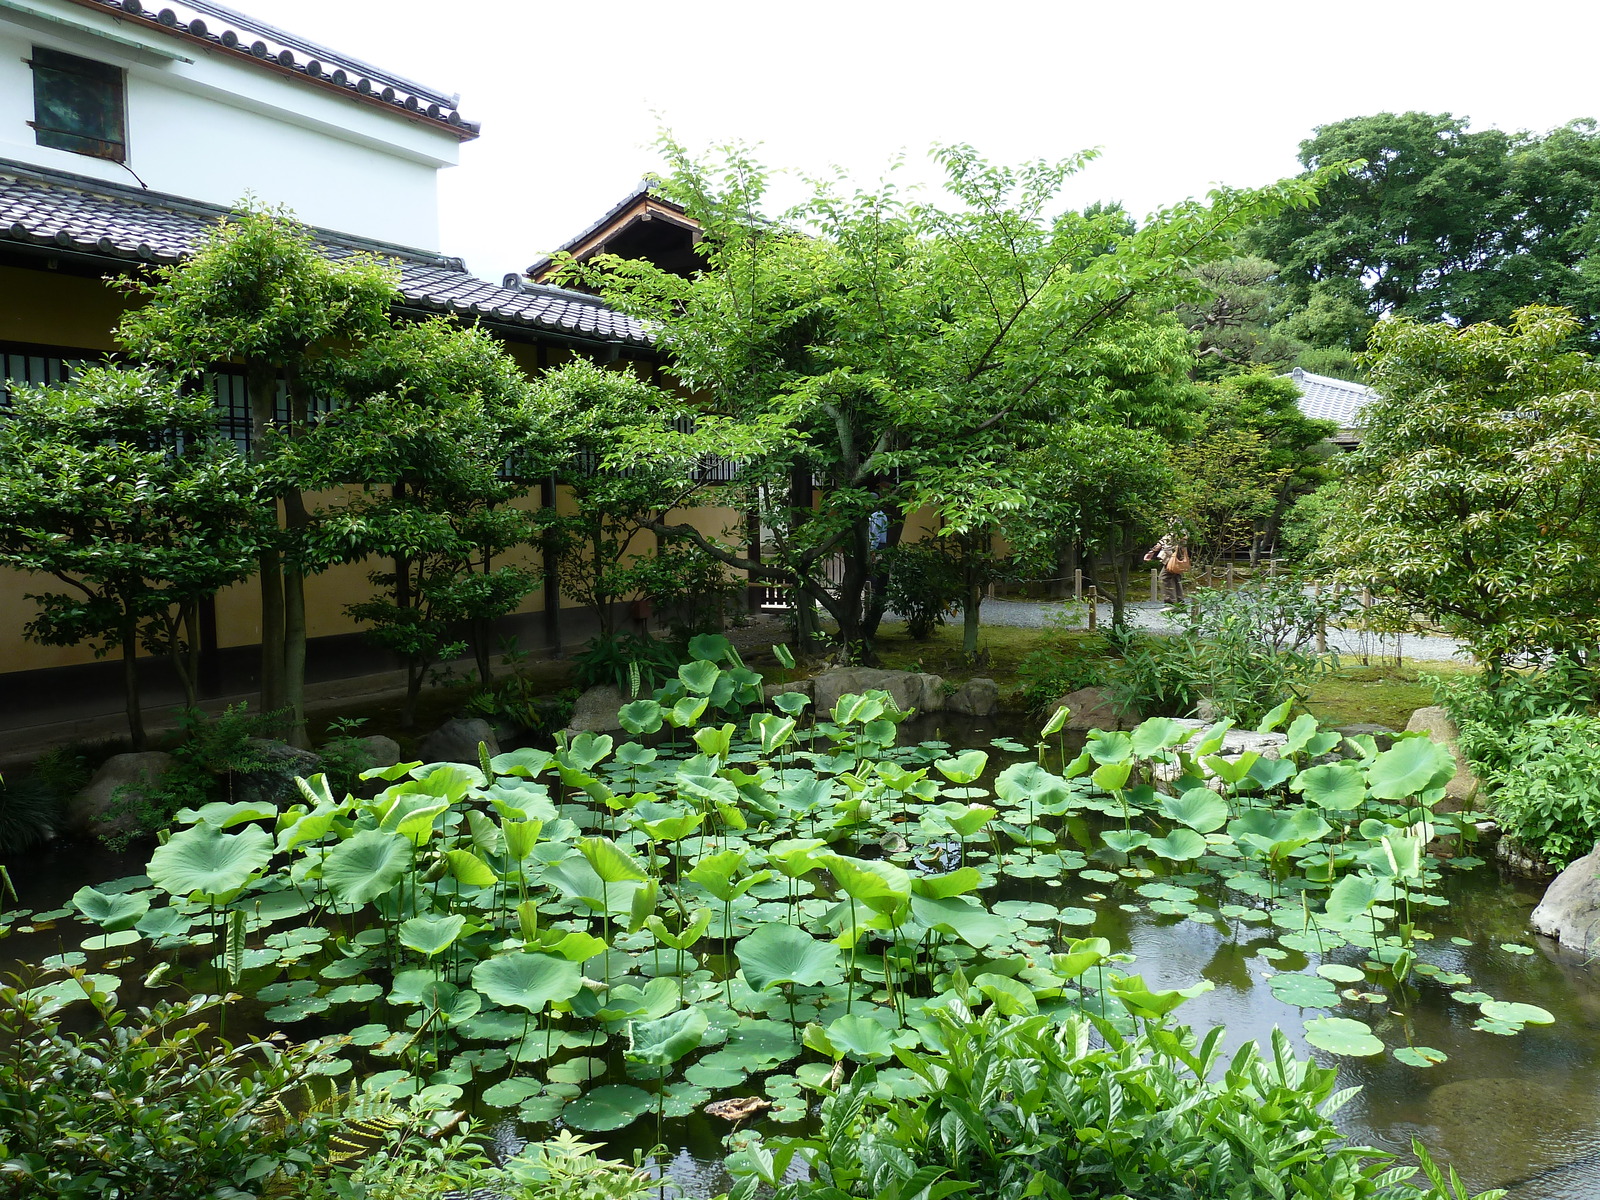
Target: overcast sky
(1179, 96)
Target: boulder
(1464, 787)
(457, 741)
(89, 812)
(1381, 735)
(978, 697)
(596, 711)
(273, 781)
(1235, 743)
(1093, 708)
(1570, 910)
(925, 693)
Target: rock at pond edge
(88, 812)
(457, 741)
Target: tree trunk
(185, 650)
(130, 680)
(416, 671)
(1120, 567)
(294, 631)
(261, 380)
(971, 608)
(482, 630)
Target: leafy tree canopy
(1471, 501)
(866, 344)
(1441, 223)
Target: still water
(1518, 1112)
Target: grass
(1379, 695)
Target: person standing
(1172, 551)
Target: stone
(978, 697)
(457, 741)
(910, 689)
(596, 711)
(1570, 910)
(1093, 708)
(274, 781)
(1235, 742)
(1382, 736)
(88, 813)
(1464, 788)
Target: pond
(1511, 1104)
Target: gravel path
(1349, 643)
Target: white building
(199, 101)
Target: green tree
(115, 487)
(1297, 450)
(1471, 501)
(615, 498)
(1226, 486)
(258, 290)
(1236, 317)
(1441, 223)
(436, 425)
(860, 344)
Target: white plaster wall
(217, 129)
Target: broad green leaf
(782, 953)
(1158, 734)
(366, 866)
(1410, 767)
(1178, 846)
(662, 1042)
(1140, 1000)
(112, 913)
(963, 768)
(1516, 1014)
(861, 1038)
(528, 980)
(204, 861)
(431, 935)
(610, 861)
(470, 869)
(1340, 1035)
(640, 718)
(1201, 809)
(611, 1106)
(1336, 786)
(699, 677)
(1010, 998)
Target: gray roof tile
(40, 207)
(1324, 398)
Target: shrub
(1075, 1109)
(628, 662)
(30, 814)
(1243, 651)
(1491, 710)
(695, 592)
(1547, 795)
(924, 586)
(149, 1107)
(208, 752)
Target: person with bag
(1172, 551)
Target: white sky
(1179, 95)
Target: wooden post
(1366, 631)
(1228, 575)
(1322, 618)
(1077, 583)
(1094, 608)
(1272, 568)
(1155, 583)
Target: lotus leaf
(527, 980)
(1340, 1035)
(782, 953)
(204, 861)
(111, 913)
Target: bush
(208, 752)
(1243, 651)
(632, 664)
(1037, 1107)
(30, 814)
(1547, 795)
(924, 586)
(691, 589)
(147, 1108)
(1490, 711)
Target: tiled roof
(1327, 399)
(104, 220)
(231, 32)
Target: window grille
(34, 368)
